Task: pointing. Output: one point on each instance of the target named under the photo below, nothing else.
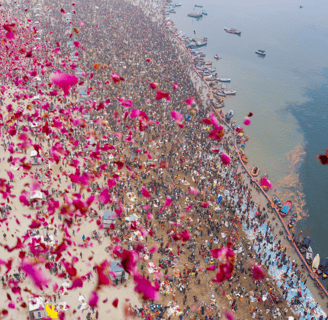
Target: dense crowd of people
(119, 149)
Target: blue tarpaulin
(285, 209)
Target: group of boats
(197, 14)
(170, 9)
(205, 68)
(194, 43)
(318, 266)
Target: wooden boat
(309, 255)
(286, 208)
(196, 5)
(292, 220)
(255, 171)
(244, 158)
(229, 92)
(276, 201)
(195, 15)
(315, 263)
(233, 31)
(216, 57)
(223, 79)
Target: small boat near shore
(229, 92)
(216, 57)
(178, 4)
(210, 78)
(244, 158)
(196, 5)
(315, 263)
(292, 220)
(233, 31)
(204, 13)
(305, 245)
(195, 15)
(286, 208)
(276, 201)
(255, 171)
(323, 268)
(309, 255)
(223, 79)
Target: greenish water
(287, 92)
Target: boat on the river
(315, 263)
(292, 220)
(210, 78)
(195, 15)
(233, 31)
(223, 79)
(244, 158)
(276, 201)
(216, 57)
(196, 5)
(204, 12)
(309, 255)
(286, 208)
(323, 266)
(229, 92)
(255, 171)
(229, 115)
(178, 4)
(305, 244)
(260, 52)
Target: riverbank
(204, 92)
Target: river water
(286, 90)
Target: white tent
(35, 303)
(36, 195)
(33, 154)
(36, 307)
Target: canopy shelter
(78, 72)
(109, 217)
(36, 308)
(70, 44)
(36, 199)
(35, 157)
(119, 271)
(83, 95)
